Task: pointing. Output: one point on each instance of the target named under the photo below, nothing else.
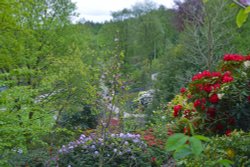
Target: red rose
(226, 79)
(233, 57)
(214, 98)
(216, 74)
(207, 88)
(176, 113)
(183, 90)
(197, 103)
(206, 73)
(228, 132)
(216, 86)
(177, 108)
(247, 57)
(197, 77)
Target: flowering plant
(156, 147)
(107, 150)
(217, 102)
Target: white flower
(247, 64)
(220, 95)
(121, 135)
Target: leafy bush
(155, 141)
(215, 102)
(224, 150)
(105, 150)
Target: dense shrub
(230, 150)
(215, 102)
(106, 150)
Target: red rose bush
(215, 102)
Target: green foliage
(176, 141)
(184, 146)
(50, 72)
(241, 17)
(222, 151)
(43, 73)
(199, 46)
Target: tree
(201, 43)
(42, 71)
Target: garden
(153, 87)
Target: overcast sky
(99, 10)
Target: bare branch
(240, 4)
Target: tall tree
(42, 71)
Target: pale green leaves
(242, 16)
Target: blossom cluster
(119, 143)
(112, 148)
(206, 92)
(203, 90)
(245, 2)
(234, 61)
(235, 57)
(218, 77)
(151, 140)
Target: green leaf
(203, 138)
(175, 141)
(182, 152)
(196, 146)
(241, 17)
(232, 5)
(225, 162)
(247, 10)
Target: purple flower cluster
(80, 142)
(118, 144)
(245, 2)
